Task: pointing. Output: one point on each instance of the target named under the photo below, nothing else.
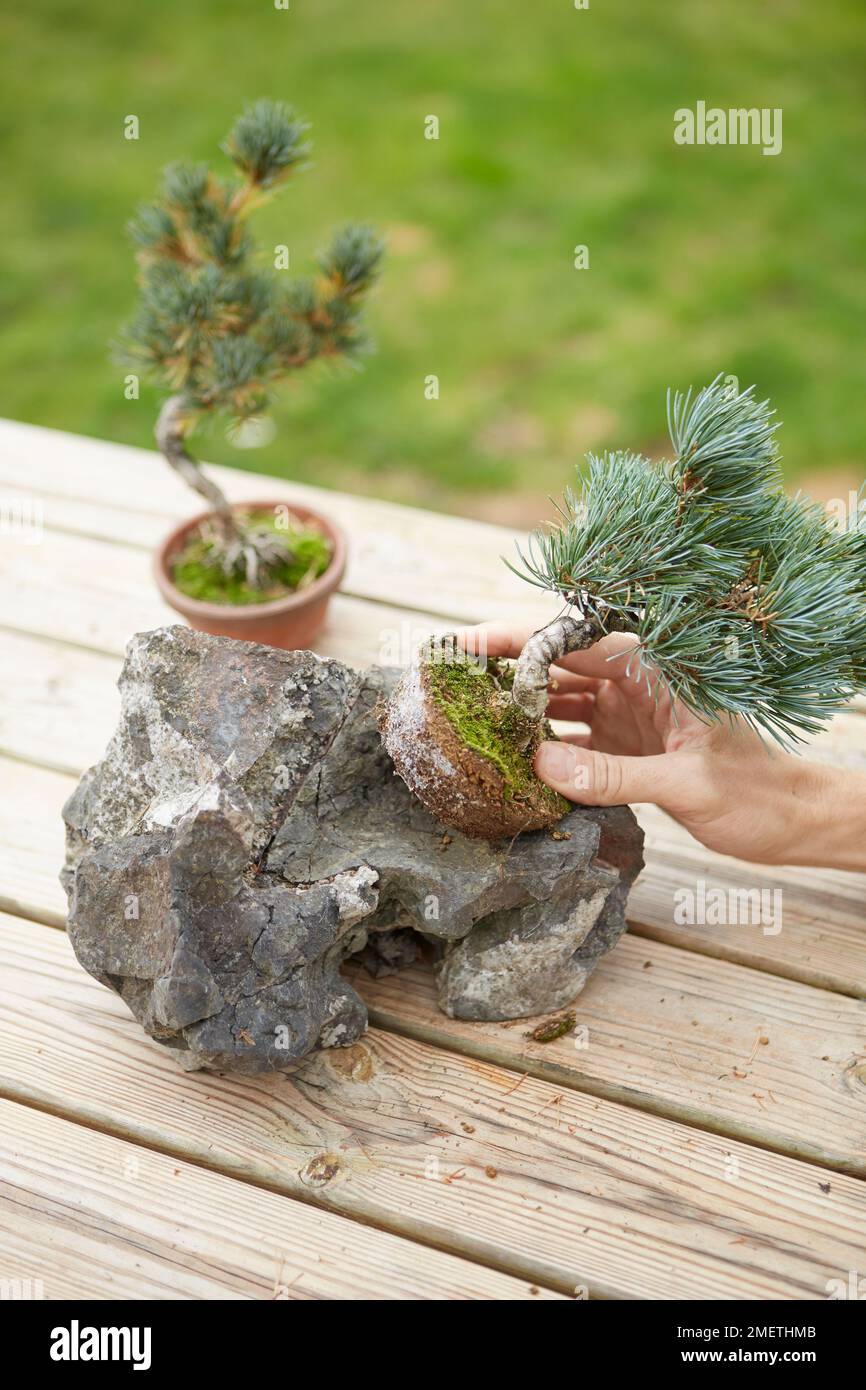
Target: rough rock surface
(245, 832)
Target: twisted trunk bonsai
(743, 602)
(221, 334)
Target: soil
(197, 573)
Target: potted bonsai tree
(744, 603)
(220, 335)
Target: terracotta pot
(290, 622)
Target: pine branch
(351, 262)
(724, 442)
(267, 142)
(744, 601)
(208, 327)
(624, 533)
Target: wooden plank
(61, 706)
(32, 841)
(822, 911)
(394, 551)
(90, 1216)
(554, 1187)
(689, 1020)
(96, 594)
(716, 1045)
(821, 941)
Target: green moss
(197, 572)
(476, 703)
(553, 1028)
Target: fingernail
(554, 763)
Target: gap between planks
(93, 1216)
(693, 1069)
(547, 1185)
(88, 488)
(778, 1065)
(733, 1051)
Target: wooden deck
(709, 1142)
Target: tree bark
(169, 433)
(566, 634)
(549, 644)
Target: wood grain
(822, 940)
(596, 1171)
(127, 495)
(94, 1217)
(97, 594)
(719, 1046)
(32, 841)
(686, 1022)
(554, 1187)
(61, 704)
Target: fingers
(573, 709)
(564, 682)
(606, 660)
(603, 670)
(579, 740)
(610, 670)
(617, 722)
(577, 691)
(497, 638)
(591, 778)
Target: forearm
(829, 817)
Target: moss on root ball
(465, 749)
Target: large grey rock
(245, 833)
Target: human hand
(735, 793)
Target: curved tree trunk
(169, 433)
(550, 644)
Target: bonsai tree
(219, 333)
(743, 601)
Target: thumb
(603, 779)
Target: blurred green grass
(555, 129)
